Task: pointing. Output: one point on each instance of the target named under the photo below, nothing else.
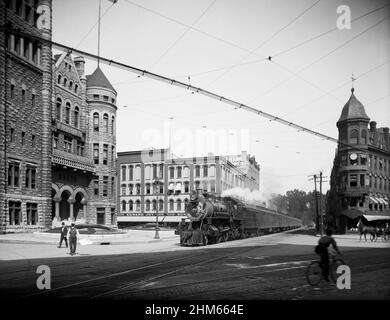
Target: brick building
(57, 129)
(138, 172)
(360, 178)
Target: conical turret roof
(98, 79)
(353, 109)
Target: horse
(363, 230)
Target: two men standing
(69, 234)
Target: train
(214, 219)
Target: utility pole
(321, 216)
(316, 200)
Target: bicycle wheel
(314, 273)
(333, 268)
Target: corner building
(360, 178)
(57, 130)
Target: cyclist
(322, 250)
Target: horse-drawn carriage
(375, 232)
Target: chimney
(80, 63)
(386, 136)
(372, 126)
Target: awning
(381, 201)
(352, 213)
(373, 218)
(372, 199)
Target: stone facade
(360, 178)
(47, 171)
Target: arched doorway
(65, 205)
(78, 206)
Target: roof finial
(353, 79)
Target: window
(105, 98)
(123, 205)
(161, 171)
(65, 82)
(179, 172)
(96, 121)
(76, 87)
(131, 173)
(105, 121)
(15, 212)
(154, 205)
(76, 117)
(96, 187)
(105, 186)
(137, 173)
(148, 188)
(33, 142)
(147, 207)
(13, 174)
(105, 153)
(171, 205)
(212, 171)
(23, 95)
(353, 180)
(100, 215)
(178, 205)
(197, 171)
(137, 205)
(147, 172)
(112, 187)
(112, 154)
(123, 189)
(12, 91)
(138, 188)
(23, 137)
(55, 140)
(96, 97)
(353, 138)
(161, 205)
(68, 144)
(171, 172)
(205, 171)
(363, 159)
(185, 204)
(59, 78)
(30, 177)
(96, 153)
(123, 168)
(12, 135)
(212, 186)
(80, 148)
(131, 205)
(67, 113)
(70, 85)
(364, 137)
(32, 213)
(186, 187)
(58, 109)
(155, 171)
(33, 100)
(112, 215)
(131, 187)
(112, 125)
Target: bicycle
(314, 270)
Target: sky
(223, 46)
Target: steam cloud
(245, 195)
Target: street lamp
(157, 191)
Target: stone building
(138, 172)
(360, 178)
(57, 129)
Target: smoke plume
(245, 195)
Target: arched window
(65, 82)
(147, 208)
(112, 125)
(353, 137)
(138, 205)
(131, 205)
(171, 205)
(76, 116)
(70, 85)
(58, 109)
(105, 121)
(154, 205)
(161, 205)
(364, 137)
(59, 78)
(123, 205)
(76, 87)
(178, 206)
(67, 113)
(96, 121)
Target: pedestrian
(63, 236)
(73, 236)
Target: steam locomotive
(218, 219)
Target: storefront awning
(372, 199)
(374, 218)
(352, 213)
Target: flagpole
(98, 58)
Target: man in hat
(64, 233)
(73, 236)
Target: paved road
(257, 271)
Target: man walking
(73, 236)
(64, 233)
